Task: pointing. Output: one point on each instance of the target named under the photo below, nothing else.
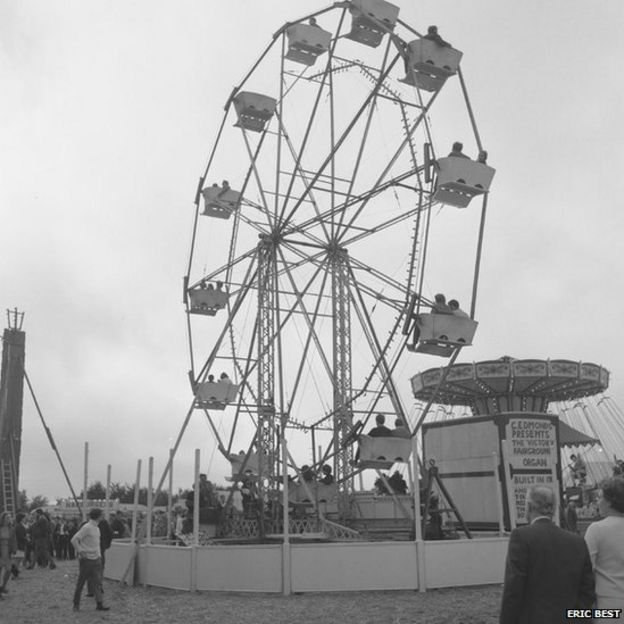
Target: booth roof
(568, 436)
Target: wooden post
(511, 500)
(420, 544)
(135, 511)
(556, 488)
(132, 564)
(150, 501)
(170, 497)
(195, 545)
(85, 485)
(196, 501)
(108, 484)
(286, 585)
(499, 494)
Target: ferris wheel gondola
(329, 146)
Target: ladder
(8, 486)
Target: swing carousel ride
(324, 221)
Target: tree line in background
(97, 491)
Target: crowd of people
(40, 539)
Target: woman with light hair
(605, 540)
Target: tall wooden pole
(108, 487)
(170, 497)
(135, 511)
(86, 480)
(150, 500)
(196, 501)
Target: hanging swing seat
(429, 65)
(238, 472)
(306, 43)
(207, 301)
(216, 394)
(368, 15)
(254, 110)
(461, 179)
(220, 202)
(440, 334)
(382, 453)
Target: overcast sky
(108, 111)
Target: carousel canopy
(510, 385)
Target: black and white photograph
(311, 311)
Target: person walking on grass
(86, 543)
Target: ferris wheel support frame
(341, 339)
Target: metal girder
(267, 433)
(343, 418)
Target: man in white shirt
(86, 543)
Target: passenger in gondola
(307, 474)
(224, 379)
(380, 430)
(456, 151)
(456, 310)
(398, 483)
(415, 334)
(433, 35)
(225, 187)
(248, 493)
(482, 157)
(312, 22)
(400, 430)
(219, 286)
(328, 477)
(440, 306)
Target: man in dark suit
(548, 570)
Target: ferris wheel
(318, 234)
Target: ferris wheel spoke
(338, 143)
(384, 225)
(283, 322)
(365, 133)
(421, 117)
(364, 196)
(308, 130)
(310, 322)
(379, 274)
(254, 169)
(247, 283)
(300, 171)
(244, 381)
(304, 143)
(379, 352)
(214, 274)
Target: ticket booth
(487, 463)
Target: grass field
(43, 595)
